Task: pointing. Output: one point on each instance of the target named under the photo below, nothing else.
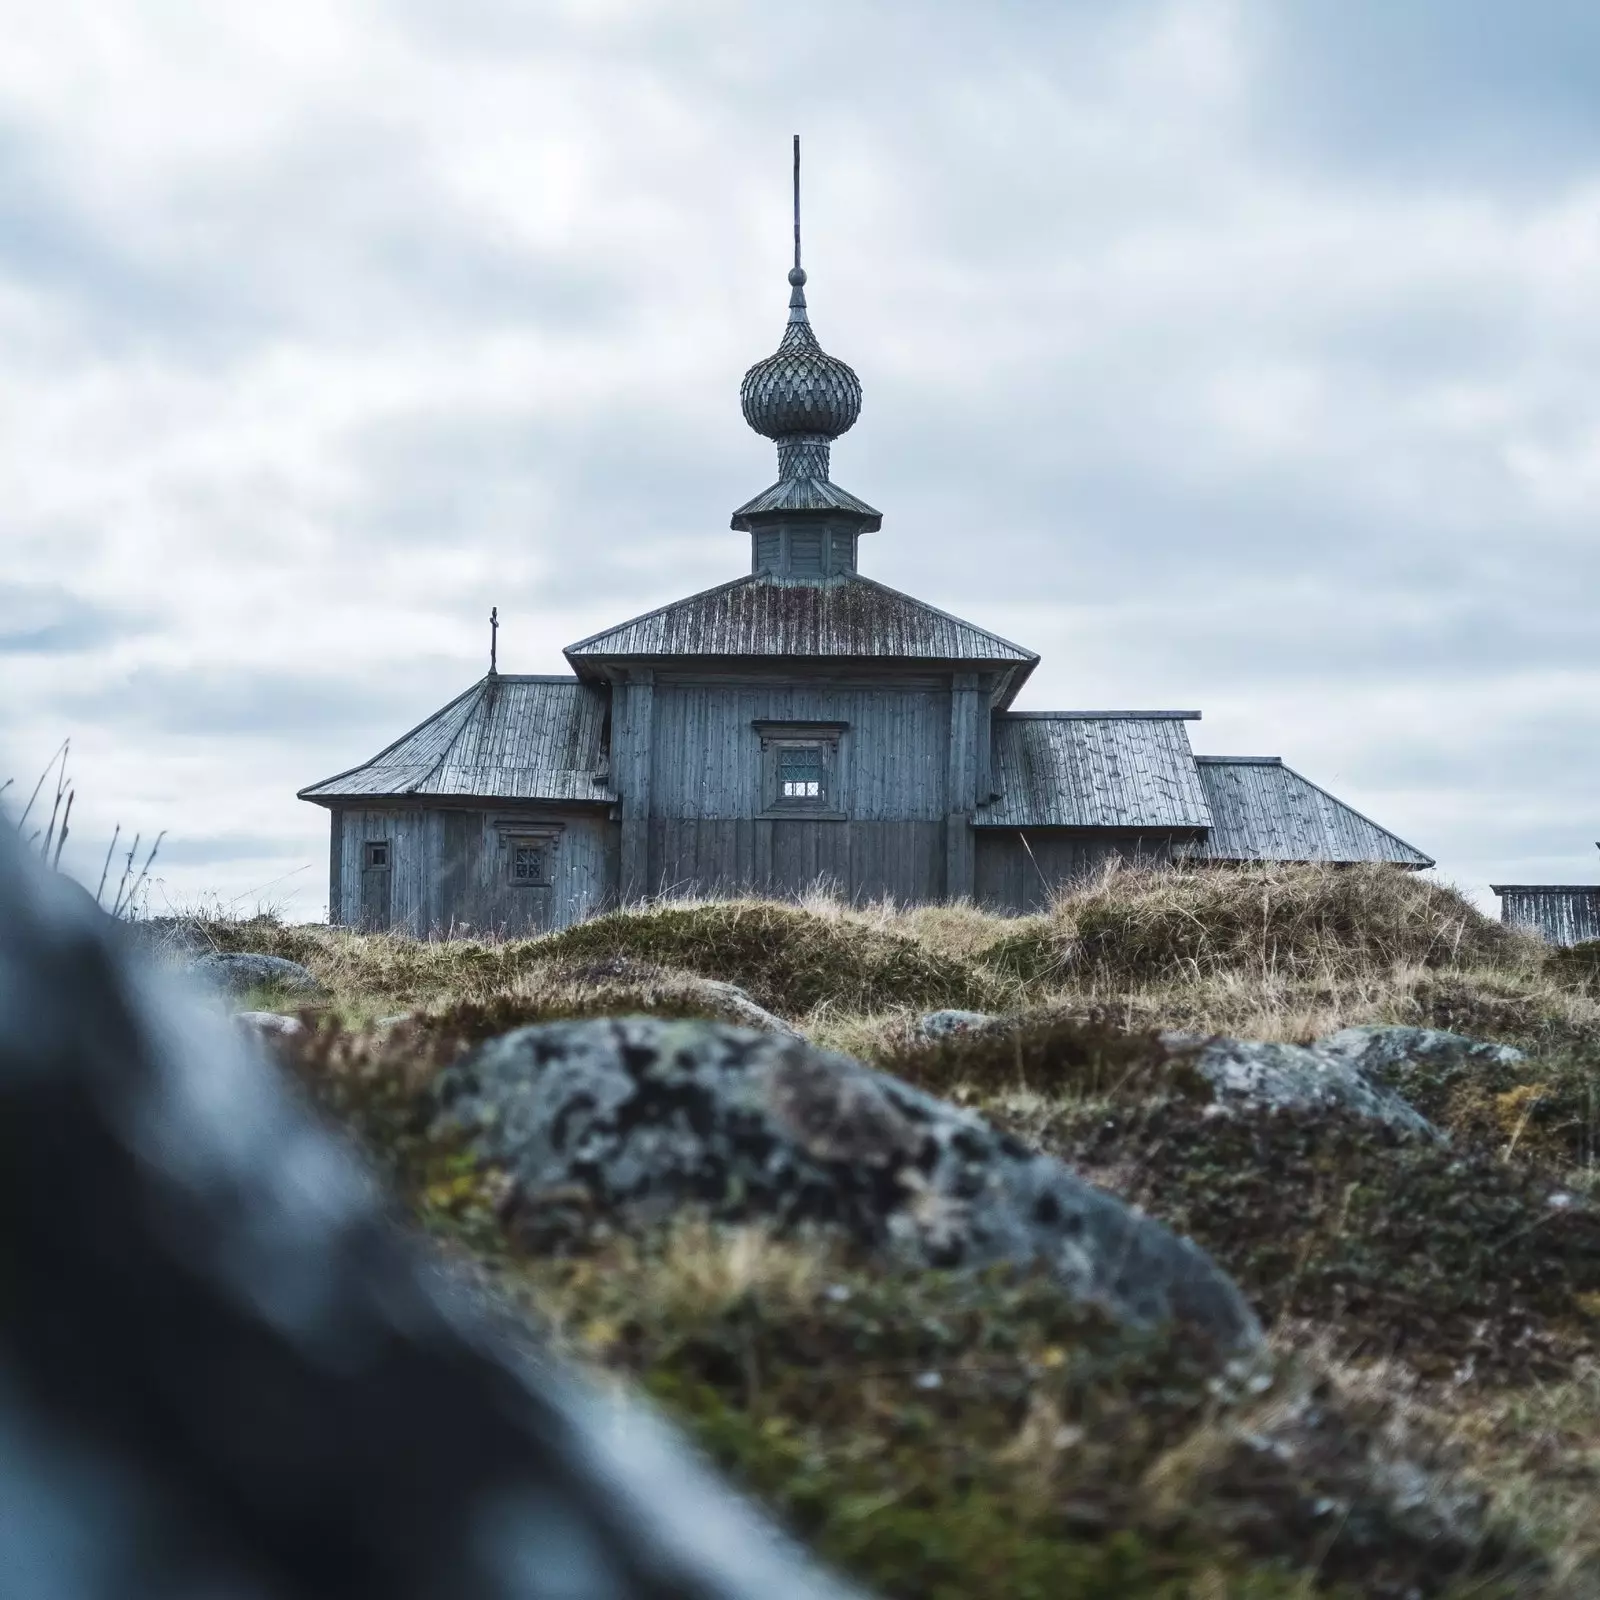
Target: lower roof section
(1102, 769)
(508, 737)
(1262, 810)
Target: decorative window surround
(801, 771)
(527, 851)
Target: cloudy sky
(1240, 354)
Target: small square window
(528, 863)
(377, 853)
(800, 774)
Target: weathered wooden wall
(1018, 869)
(707, 834)
(448, 868)
(1559, 914)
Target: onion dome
(800, 390)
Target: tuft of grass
(1142, 924)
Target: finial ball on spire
(797, 276)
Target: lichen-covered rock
(238, 972)
(628, 1120)
(1385, 1054)
(941, 1024)
(223, 1371)
(269, 1027)
(743, 1009)
(1253, 1073)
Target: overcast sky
(1238, 354)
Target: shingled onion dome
(800, 396)
(802, 527)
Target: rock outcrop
(1254, 1073)
(222, 1369)
(629, 1120)
(238, 972)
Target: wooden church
(799, 724)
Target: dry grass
(1377, 1248)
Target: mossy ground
(1440, 1288)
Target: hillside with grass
(1433, 1307)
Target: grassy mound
(1141, 925)
(788, 959)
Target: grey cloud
(1431, 88)
(226, 701)
(49, 619)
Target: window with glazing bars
(527, 863)
(800, 773)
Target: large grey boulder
(224, 1372)
(238, 972)
(1256, 1074)
(629, 1120)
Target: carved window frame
(515, 835)
(827, 739)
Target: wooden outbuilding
(1561, 914)
(800, 724)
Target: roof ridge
(410, 733)
(1388, 833)
(483, 687)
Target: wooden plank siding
(1018, 870)
(708, 834)
(1561, 914)
(449, 868)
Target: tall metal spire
(800, 396)
(802, 399)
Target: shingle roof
(806, 493)
(1264, 811)
(1126, 769)
(508, 737)
(847, 617)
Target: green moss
(1451, 1259)
(787, 959)
(942, 1436)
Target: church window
(377, 853)
(529, 863)
(800, 774)
(800, 770)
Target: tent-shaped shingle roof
(508, 738)
(1262, 810)
(848, 617)
(1095, 769)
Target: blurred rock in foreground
(222, 1370)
